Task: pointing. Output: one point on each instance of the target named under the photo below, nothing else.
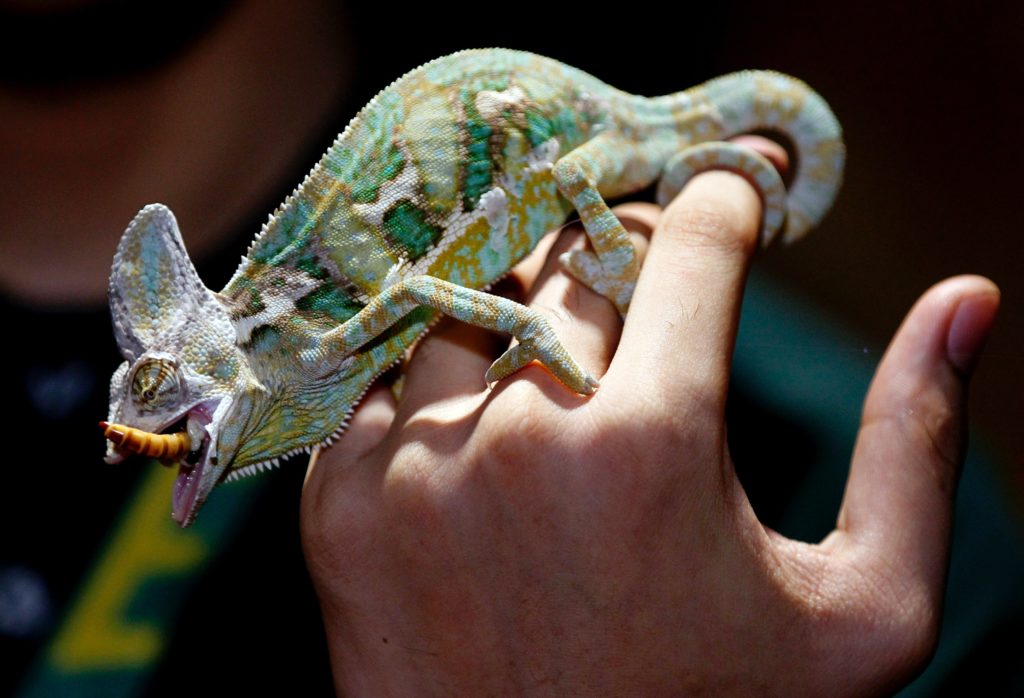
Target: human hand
(525, 539)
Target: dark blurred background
(220, 108)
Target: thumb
(899, 497)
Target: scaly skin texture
(437, 188)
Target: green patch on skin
(376, 171)
(331, 301)
(408, 226)
(564, 123)
(265, 339)
(256, 303)
(478, 173)
(567, 123)
(538, 127)
(311, 266)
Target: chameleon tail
(768, 101)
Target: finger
(899, 498)
(774, 152)
(681, 325)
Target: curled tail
(767, 101)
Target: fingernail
(969, 329)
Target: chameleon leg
(537, 341)
(611, 269)
(748, 163)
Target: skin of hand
(526, 540)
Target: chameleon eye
(155, 385)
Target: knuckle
(932, 429)
(942, 433)
(524, 433)
(709, 222)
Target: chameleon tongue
(186, 487)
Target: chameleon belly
(436, 189)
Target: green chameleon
(442, 183)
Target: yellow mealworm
(165, 447)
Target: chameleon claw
(590, 385)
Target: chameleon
(432, 193)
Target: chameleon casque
(444, 181)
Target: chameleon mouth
(184, 442)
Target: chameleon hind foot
(586, 268)
(604, 274)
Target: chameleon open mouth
(185, 443)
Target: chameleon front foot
(537, 340)
(545, 348)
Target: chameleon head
(182, 369)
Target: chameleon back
(445, 172)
